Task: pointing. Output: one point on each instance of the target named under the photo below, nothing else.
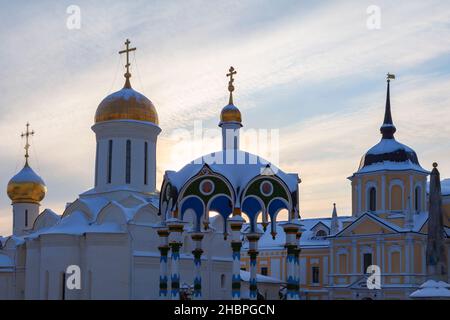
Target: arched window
(321, 234)
(222, 281)
(128, 163)
(145, 162)
(110, 150)
(26, 218)
(372, 199)
(417, 199)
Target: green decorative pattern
(220, 187)
(278, 190)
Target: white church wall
(58, 251)
(109, 258)
(146, 277)
(32, 270)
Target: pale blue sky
(311, 69)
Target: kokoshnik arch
(233, 184)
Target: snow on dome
(126, 104)
(239, 172)
(389, 154)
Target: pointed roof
(389, 154)
(387, 128)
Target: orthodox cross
(230, 83)
(127, 51)
(27, 134)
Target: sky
(312, 70)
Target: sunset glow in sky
(311, 69)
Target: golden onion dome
(26, 187)
(230, 113)
(126, 104)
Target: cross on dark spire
(127, 52)
(27, 134)
(388, 129)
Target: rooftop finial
(230, 84)
(127, 74)
(27, 134)
(388, 129)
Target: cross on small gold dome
(231, 73)
(127, 52)
(27, 134)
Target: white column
(360, 209)
(424, 197)
(331, 274)
(379, 252)
(411, 193)
(408, 259)
(354, 257)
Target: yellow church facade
(388, 228)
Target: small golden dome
(126, 104)
(26, 187)
(230, 113)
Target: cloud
(55, 79)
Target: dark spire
(436, 260)
(388, 129)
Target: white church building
(112, 232)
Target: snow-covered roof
(432, 289)
(392, 166)
(390, 155)
(308, 239)
(419, 219)
(239, 172)
(27, 175)
(245, 277)
(77, 224)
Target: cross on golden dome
(231, 73)
(27, 134)
(127, 51)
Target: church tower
(230, 119)
(26, 190)
(389, 180)
(126, 129)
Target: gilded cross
(231, 73)
(27, 134)
(127, 51)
